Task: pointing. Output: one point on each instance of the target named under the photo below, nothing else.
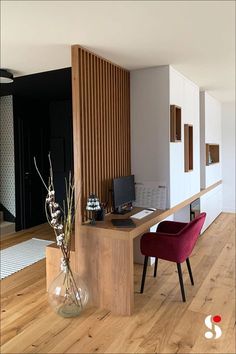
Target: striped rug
(22, 255)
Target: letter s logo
(215, 330)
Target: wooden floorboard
(161, 323)
(44, 232)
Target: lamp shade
(93, 203)
(5, 76)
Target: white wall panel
(185, 94)
(228, 156)
(210, 134)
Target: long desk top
(105, 228)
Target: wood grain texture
(161, 323)
(188, 147)
(106, 265)
(53, 263)
(212, 152)
(43, 232)
(104, 257)
(101, 126)
(175, 123)
(105, 228)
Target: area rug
(22, 255)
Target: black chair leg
(144, 273)
(181, 281)
(155, 267)
(190, 271)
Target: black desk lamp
(93, 205)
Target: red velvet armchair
(174, 242)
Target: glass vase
(68, 294)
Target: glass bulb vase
(68, 294)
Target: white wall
(7, 163)
(228, 156)
(185, 94)
(150, 124)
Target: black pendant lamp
(5, 76)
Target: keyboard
(142, 214)
(123, 223)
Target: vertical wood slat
(94, 85)
(98, 95)
(103, 157)
(117, 122)
(83, 126)
(101, 124)
(109, 125)
(83, 83)
(128, 121)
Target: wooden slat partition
(101, 126)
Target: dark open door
(31, 139)
(42, 123)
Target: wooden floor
(161, 322)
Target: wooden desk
(105, 260)
(104, 257)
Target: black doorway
(42, 124)
(31, 139)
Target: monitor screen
(123, 191)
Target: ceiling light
(5, 76)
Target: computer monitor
(123, 193)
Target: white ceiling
(196, 37)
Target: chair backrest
(188, 236)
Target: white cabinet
(211, 203)
(154, 157)
(210, 133)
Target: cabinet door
(211, 203)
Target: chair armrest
(170, 227)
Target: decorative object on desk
(100, 214)
(93, 205)
(67, 294)
(209, 158)
(151, 194)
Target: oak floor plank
(43, 232)
(161, 323)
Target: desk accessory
(142, 214)
(93, 205)
(150, 194)
(123, 223)
(100, 214)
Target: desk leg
(106, 265)
(123, 277)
